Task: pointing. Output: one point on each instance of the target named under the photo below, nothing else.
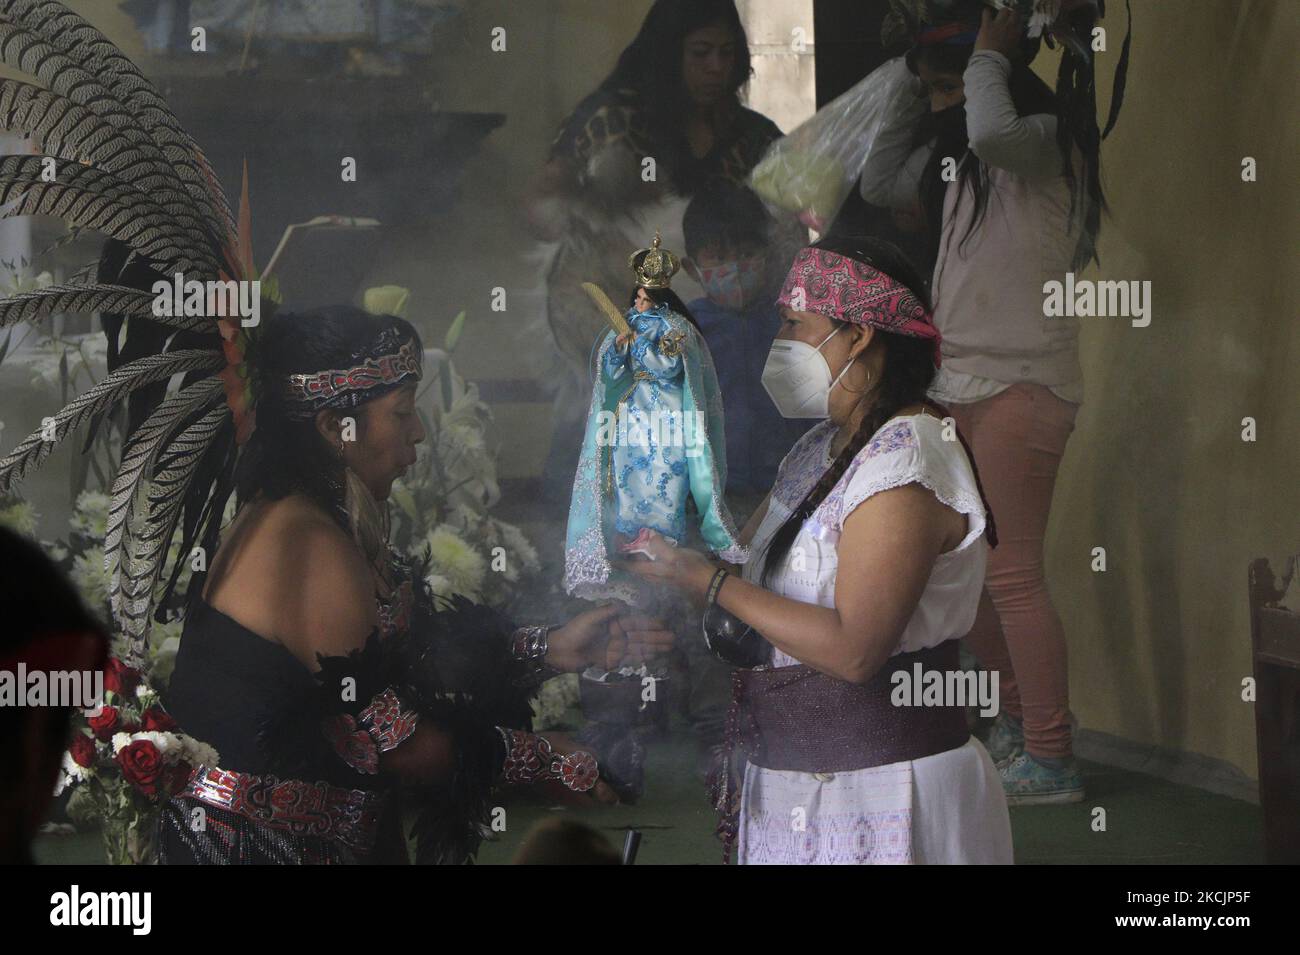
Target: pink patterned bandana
(851, 291)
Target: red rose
(142, 765)
(105, 724)
(120, 678)
(82, 750)
(156, 720)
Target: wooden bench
(1275, 644)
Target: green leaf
(271, 289)
(445, 385)
(453, 333)
(81, 806)
(405, 500)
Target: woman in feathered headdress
(314, 660)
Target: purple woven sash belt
(797, 718)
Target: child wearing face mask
(730, 254)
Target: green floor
(1148, 821)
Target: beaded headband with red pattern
(847, 290)
(381, 366)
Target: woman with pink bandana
(868, 563)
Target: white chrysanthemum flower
(90, 577)
(454, 559)
(198, 753)
(19, 517)
(75, 772)
(518, 547)
(440, 585)
(165, 743)
(62, 783)
(91, 515)
(554, 700)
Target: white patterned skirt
(946, 809)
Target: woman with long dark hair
(314, 658)
(1007, 173)
(316, 661)
(868, 559)
(667, 119)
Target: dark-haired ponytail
(1076, 112)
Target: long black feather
(74, 59)
(90, 198)
(83, 43)
(28, 306)
(143, 566)
(36, 447)
(139, 458)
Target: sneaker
(1028, 782)
(1005, 739)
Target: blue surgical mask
(734, 285)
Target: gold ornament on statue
(654, 267)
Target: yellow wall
(1157, 472)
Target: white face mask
(798, 379)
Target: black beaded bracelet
(715, 585)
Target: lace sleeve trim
(895, 453)
(960, 501)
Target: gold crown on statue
(654, 267)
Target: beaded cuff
(384, 724)
(530, 759)
(528, 646)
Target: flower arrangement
(443, 503)
(443, 506)
(557, 702)
(124, 758)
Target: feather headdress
(114, 159)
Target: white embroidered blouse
(946, 808)
(906, 450)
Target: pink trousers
(1018, 437)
